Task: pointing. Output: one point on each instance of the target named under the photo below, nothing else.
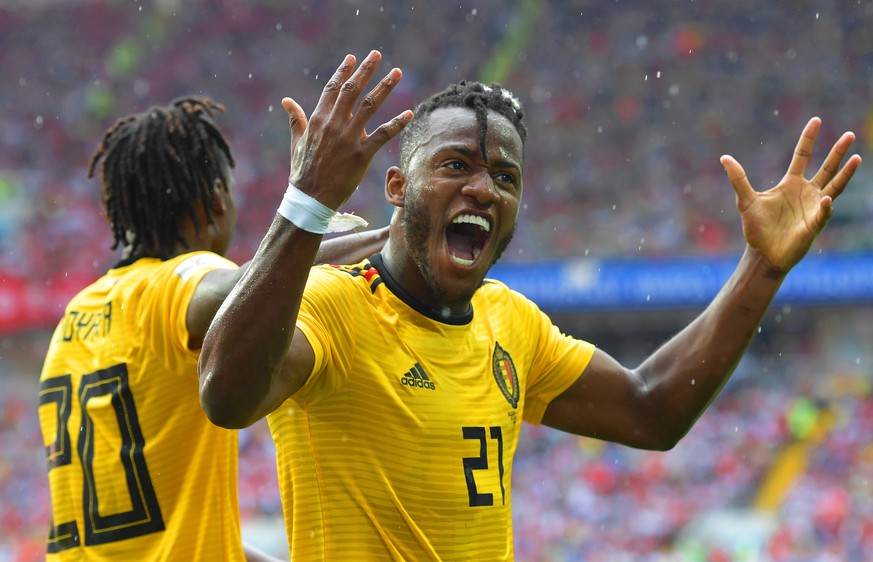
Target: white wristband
(311, 215)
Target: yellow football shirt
(136, 470)
(400, 445)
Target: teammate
(136, 471)
(396, 400)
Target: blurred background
(628, 228)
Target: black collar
(417, 305)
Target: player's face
(460, 206)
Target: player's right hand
(331, 151)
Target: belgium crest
(505, 375)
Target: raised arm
(655, 404)
(253, 358)
(217, 284)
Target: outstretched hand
(331, 151)
(782, 223)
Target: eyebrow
(471, 152)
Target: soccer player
(136, 470)
(395, 389)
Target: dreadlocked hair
(159, 167)
(477, 96)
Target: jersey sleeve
(164, 304)
(328, 318)
(558, 360)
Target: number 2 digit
(58, 391)
(481, 463)
(144, 516)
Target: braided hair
(473, 95)
(159, 167)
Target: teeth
(473, 219)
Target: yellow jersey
(136, 470)
(400, 444)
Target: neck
(414, 280)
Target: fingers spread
(352, 87)
(296, 117)
(389, 130)
(825, 211)
(737, 175)
(832, 162)
(804, 147)
(836, 186)
(373, 100)
(332, 88)
(297, 122)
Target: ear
(219, 195)
(395, 186)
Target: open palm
(782, 223)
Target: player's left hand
(782, 222)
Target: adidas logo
(416, 377)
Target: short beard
(416, 225)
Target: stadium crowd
(629, 105)
(629, 112)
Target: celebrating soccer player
(395, 389)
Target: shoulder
(183, 267)
(186, 266)
(363, 275)
(174, 281)
(496, 292)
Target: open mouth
(466, 236)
